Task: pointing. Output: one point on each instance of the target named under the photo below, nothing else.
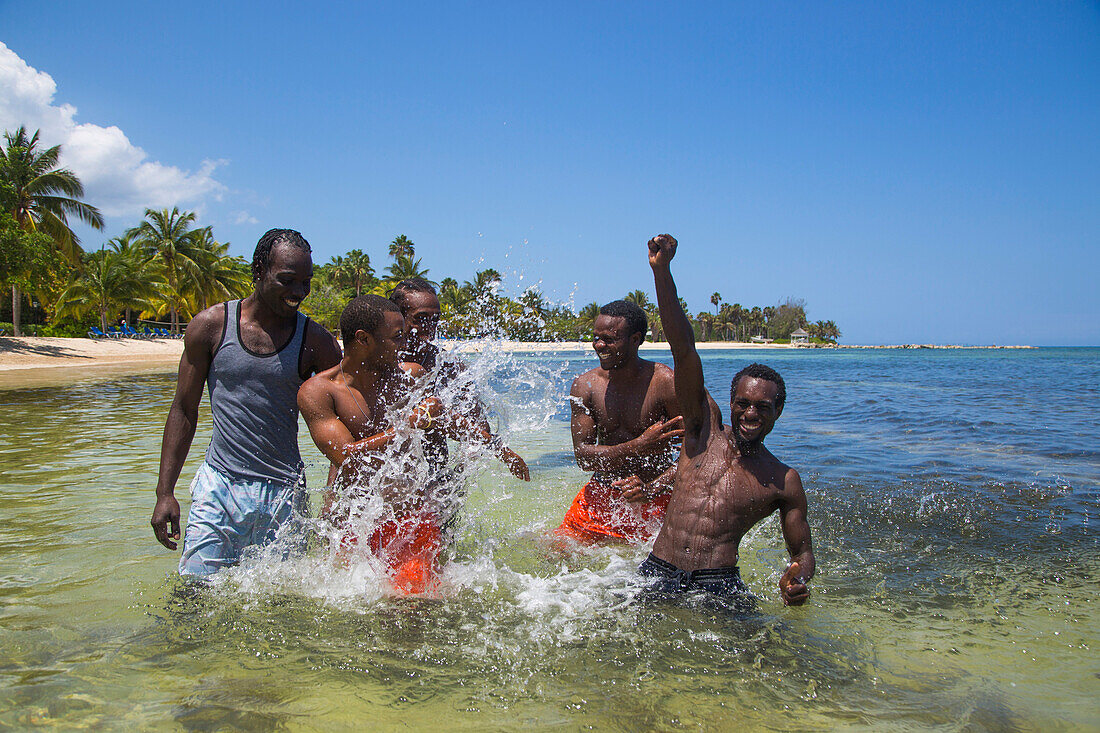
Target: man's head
(757, 394)
(419, 305)
(619, 330)
(282, 270)
(373, 330)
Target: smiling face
(285, 283)
(754, 411)
(613, 345)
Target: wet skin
(268, 319)
(726, 480)
(421, 312)
(345, 407)
(624, 414)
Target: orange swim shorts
(410, 549)
(600, 514)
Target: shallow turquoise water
(953, 498)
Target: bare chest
(621, 415)
(713, 487)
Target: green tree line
(167, 269)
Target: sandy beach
(41, 361)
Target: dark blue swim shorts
(665, 577)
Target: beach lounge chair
(95, 333)
(113, 332)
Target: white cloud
(117, 175)
(243, 217)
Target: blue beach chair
(95, 333)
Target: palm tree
(402, 246)
(586, 319)
(638, 298)
(217, 276)
(404, 268)
(167, 235)
(354, 271)
(108, 282)
(129, 248)
(706, 323)
(40, 197)
(715, 299)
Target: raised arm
(690, 392)
(796, 533)
(183, 416)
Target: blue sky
(923, 173)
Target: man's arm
(322, 351)
(796, 533)
(616, 458)
(637, 491)
(183, 417)
(690, 392)
(331, 435)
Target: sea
(953, 500)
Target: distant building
(800, 336)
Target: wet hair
(401, 290)
(365, 313)
(760, 371)
(261, 258)
(635, 317)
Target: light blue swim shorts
(229, 515)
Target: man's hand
(662, 249)
(634, 490)
(656, 436)
(515, 464)
(425, 413)
(793, 586)
(166, 514)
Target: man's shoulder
(206, 327)
(663, 375)
(320, 383)
(586, 380)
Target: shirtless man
(624, 419)
(346, 409)
(419, 306)
(252, 354)
(726, 480)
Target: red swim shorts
(410, 549)
(600, 514)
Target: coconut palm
(41, 197)
(715, 299)
(217, 275)
(167, 235)
(130, 248)
(354, 271)
(402, 246)
(638, 298)
(706, 324)
(404, 268)
(108, 282)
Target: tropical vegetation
(165, 269)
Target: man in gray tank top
(252, 355)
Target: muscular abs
(715, 501)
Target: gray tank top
(254, 399)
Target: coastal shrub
(28, 329)
(71, 327)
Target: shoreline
(41, 361)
